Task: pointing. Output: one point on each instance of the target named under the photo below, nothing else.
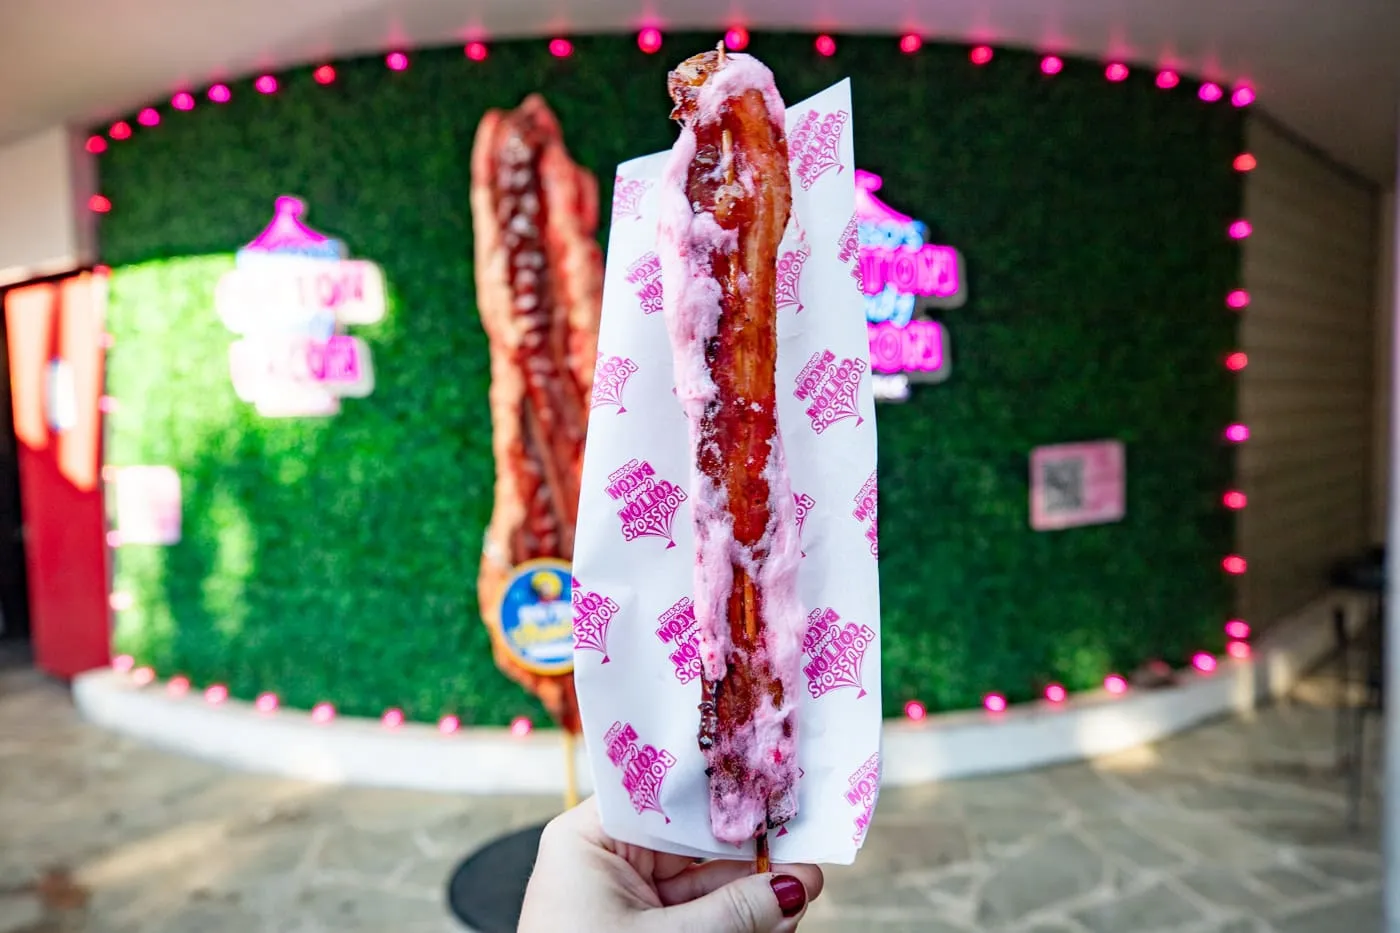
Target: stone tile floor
(1237, 827)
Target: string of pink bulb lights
(736, 38)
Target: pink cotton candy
(692, 304)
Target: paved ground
(1235, 828)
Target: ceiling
(1328, 69)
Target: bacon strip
(726, 201)
(539, 275)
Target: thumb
(754, 904)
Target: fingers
(751, 904)
(699, 880)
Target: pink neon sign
(899, 274)
(290, 297)
(915, 348)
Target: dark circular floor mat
(486, 890)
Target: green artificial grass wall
(336, 559)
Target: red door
(56, 369)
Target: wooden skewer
(761, 864)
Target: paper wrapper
(636, 664)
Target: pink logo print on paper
(627, 197)
(678, 630)
(837, 652)
(832, 387)
(805, 504)
(790, 277)
(815, 145)
(644, 767)
(650, 503)
(867, 506)
(850, 249)
(610, 379)
(864, 791)
(593, 612)
(645, 273)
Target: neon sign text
(289, 298)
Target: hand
(586, 882)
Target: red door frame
(58, 426)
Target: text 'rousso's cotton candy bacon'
(727, 605)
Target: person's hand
(586, 882)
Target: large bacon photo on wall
(723, 573)
(539, 284)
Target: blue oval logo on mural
(537, 616)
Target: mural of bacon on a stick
(539, 279)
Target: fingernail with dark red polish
(792, 896)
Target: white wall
(45, 226)
(1308, 394)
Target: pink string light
(324, 75)
(1237, 299)
(520, 727)
(1242, 96)
(183, 101)
(1056, 693)
(1245, 162)
(266, 84)
(1239, 650)
(994, 702)
(1115, 684)
(476, 51)
(149, 116)
(736, 39)
(114, 539)
(220, 94)
(915, 711)
(1235, 564)
(1234, 499)
(120, 602)
(910, 42)
(216, 694)
(322, 713)
(95, 145)
(1237, 629)
(1051, 65)
(449, 724)
(1210, 92)
(561, 48)
(649, 40)
(177, 686)
(142, 676)
(980, 55)
(99, 204)
(1203, 662)
(1241, 229)
(123, 663)
(1116, 71)
(266, 703)
(392, 718)
(120, 130)
(1237, 433)
(1167, 79)
(1236, 361)
(397, 61)
(106, 403)
(826, 46)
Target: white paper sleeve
(636, 666)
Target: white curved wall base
(492, 761)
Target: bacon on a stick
(726, 204)
(539, 279)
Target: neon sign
(901, 275)
(290, 297)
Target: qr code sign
(1064, 485)
(1076, 484)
